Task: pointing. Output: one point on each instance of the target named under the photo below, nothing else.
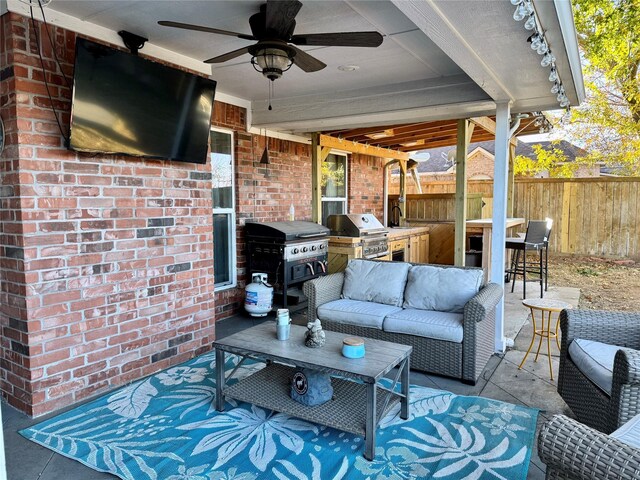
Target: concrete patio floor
(501, 380)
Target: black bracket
(132, 41)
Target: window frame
(231, 215)
(344, 199)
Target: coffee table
(359, 402)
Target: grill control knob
(294, 251)
(322, 246)
(304, 249)
(313, 248)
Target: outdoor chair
(599, 376)
(572, 450)
(536, 239)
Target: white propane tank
(258, 296)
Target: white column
(500, 183)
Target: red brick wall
(265, 193)
(118, 258)
(366, 183)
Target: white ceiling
(439, 58)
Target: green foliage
(552, 160)
(608, 123)
(588, 272)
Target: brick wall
(110, 256)
(366, 183)
(265, 193)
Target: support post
(402, 197)
(499, 233)
(460, 238)
(511, 180)
(316, 178)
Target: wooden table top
(548, 305)
(488, 222)
(261, 341)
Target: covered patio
(108, 260)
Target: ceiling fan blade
(305, 61)
(280, 16)
(228, 56)
(199, 28)
(346, 39)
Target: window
(224, 215)
(334, 186)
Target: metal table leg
(220, 379)
(404, 402)
(370, 427)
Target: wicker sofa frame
(590, 404)
(464, 360)
(573, 451)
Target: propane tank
(258, 296)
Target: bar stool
(536, 239)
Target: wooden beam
(510, 180)
(402, 198)
(316, 178)
(485, 123)
(354, 147)
(324, 153)
(460, 236)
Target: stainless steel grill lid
(355, 225)
(286, 231)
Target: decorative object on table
(353, 347)
(311, 387)
(283, 324)
(315, 336)
(182, 434)
(258, 296)
(546, 307)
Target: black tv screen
(126, 104)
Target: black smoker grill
(289, 252)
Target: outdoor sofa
(599, 375)
(447, 314)
(571, 450)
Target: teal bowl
(353, 348)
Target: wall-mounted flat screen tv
(126, 104)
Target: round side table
(545, 308)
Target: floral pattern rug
(165, 427)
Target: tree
(552, 160)
(608, 123)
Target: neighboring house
(439, 163)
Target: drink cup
(282, 331)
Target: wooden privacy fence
(439, 206)
(592, 216)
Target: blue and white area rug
(165, 427)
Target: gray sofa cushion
(441, 289)
(629, 433)
(595, 361)
(426, 323)
(355, 312)
(379, 282)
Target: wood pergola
(395, 142)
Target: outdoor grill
(289, 252)
(364, 226)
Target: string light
(525, 9)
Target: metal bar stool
(536, 239)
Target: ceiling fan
(276, 51)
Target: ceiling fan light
(272, 62)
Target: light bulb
(535, 41)
(564, 103)
(528, 6)
(555, 88)
(530, 24)
(548, 59)
(553, 76)
(520, 13)
(543, 48)
(516, 2)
